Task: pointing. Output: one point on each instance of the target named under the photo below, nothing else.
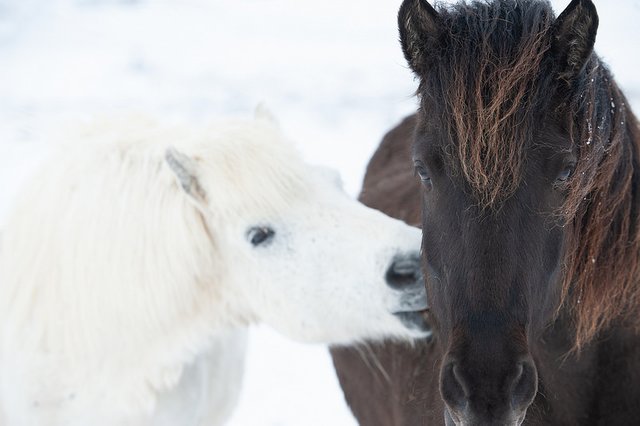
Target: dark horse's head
(526, 151)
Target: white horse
(137, 256)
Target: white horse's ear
(263, 113)
(185, 171)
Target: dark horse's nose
(472, 399)
(404, 271)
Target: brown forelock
(485, 85)
(601, 265)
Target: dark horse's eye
(565, 173)
(425, 177)
(260, 235)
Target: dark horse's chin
(448, 420)
(415, 321)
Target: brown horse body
(529, 197)
(397, 384)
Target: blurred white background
(331, 70)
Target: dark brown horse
(527, 157)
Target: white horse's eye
(260, 235)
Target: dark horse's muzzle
(488, 387)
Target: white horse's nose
(404, 276)
(404, 271)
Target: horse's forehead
(487, 94)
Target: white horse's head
(299, 254)
(124, 259)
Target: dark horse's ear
(574, 34)
(419, 26)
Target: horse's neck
(569, 378)
(618, 384)
(204, 393)
(209, 387)
(586, 385)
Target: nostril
(404, 271)
(404, 266)
(453, 386)
(525, 385)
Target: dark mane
(488, 74)
(602, 269)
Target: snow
(332, 71)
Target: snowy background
(331, 70)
